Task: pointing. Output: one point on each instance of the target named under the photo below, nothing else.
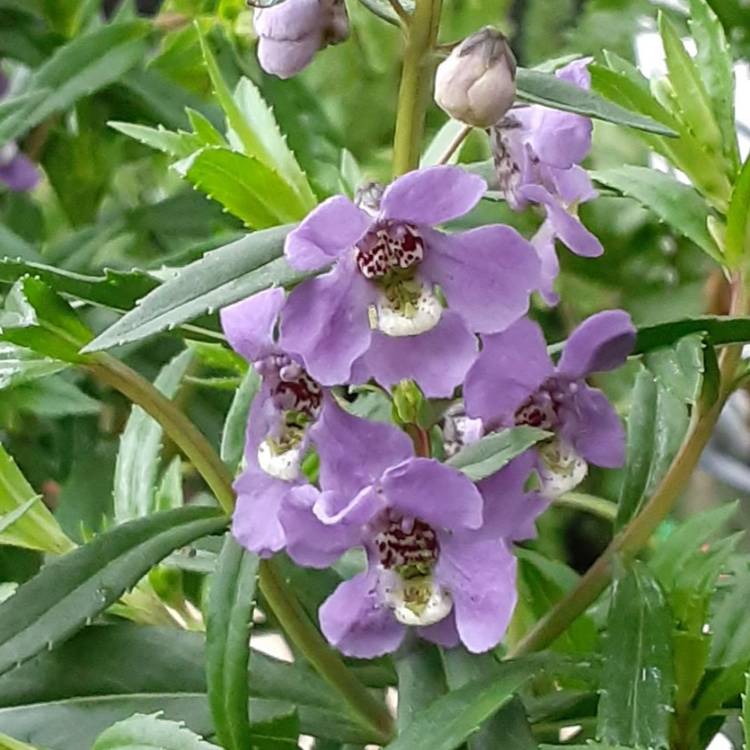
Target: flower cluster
(398, 300)
(17, 171)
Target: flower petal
(443, 633)
(438, 359)
(486, 274)
(308, 541)
(433, 492)
(481, 577)
(432, 196)
(355, 452)
(325, 322)
(331, 229)
(357, 622)
(510, 511)
(602, 342)
(255, 523)
(592, 427)
(544, 244)
(569, 229)
(20, 174)
(510, 367)
(285, 58)
(249, 324)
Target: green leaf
(278, 155)
(678, 205)
(65, 698)
(117, 290)
(235, 425)
(19, 365)
(680, 368)
(731, 628)
(71, 590)
(81, 67)
(657, 423)
(244, 185)
(421, 679)
(635, 707)
(509, 722)
(204, 129)
(8, 743)
(141, 732)
(448, 721)
(228, 274)
(53, 397)
(169, 494)
(15, 246)
(36, 528)
(440, 144)
(229, 619)
(543, 88)
(140, 447)
(746, 711)
(737, 238)
(720, 330)
(178, 144)
(488, 455)
(279, 733)
(715, 64)
(36, 317)
(690, 93)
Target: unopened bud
(291, 32)
(476, 84)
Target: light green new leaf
(140, 446)
(542, 88)
(690, 93)
(8, 743)
(488, 455)
(635, 707)
(81, 67)
(176, 144)
(244, 185)
(35, 528)
(204, 129)
(228, 274)
(259, 117)
(448, 721)
(68, 592)
(714, 61)
(147, 732)
(229, 620)
(737, 237)
(678, 205)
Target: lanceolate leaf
(150, 731)
(71, 590)
(678, 205)
(543, 88)
(448, 721)
(720, 330)
(420, 679)
(65, 698)
(737, 239)
(230, 610)
(140, 445)
(84, 65)
(488, 455)
(219, 278)
(235, 425)
(635, 707)
(178, 144)
(8, 743)
(19, 365)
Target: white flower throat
(389, 256)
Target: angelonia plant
(335, 417)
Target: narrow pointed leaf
(142, 731)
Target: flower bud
(291, 32)
(476, 83)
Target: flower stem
(455, 144)
(637, 533)
(597, 506)
(416, 83)
(369, 711)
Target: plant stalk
(416, 84)
(368, 710)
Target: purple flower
(17, 171)
(377, 313)
(291, 32)
(288, 402)
(419, 521)
(537, 153)
(514, 382)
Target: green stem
(638, 532)
(597, 506)
(416, 84)
(280, 598)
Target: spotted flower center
(541, 408)
(389, 247)
(408, 547)
(292, 389)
